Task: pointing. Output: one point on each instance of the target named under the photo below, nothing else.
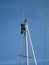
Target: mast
(26, 45)
(24, 31)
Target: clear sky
(11, 15)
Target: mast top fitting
(23, 27)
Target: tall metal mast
(26, 45)
(26, 33)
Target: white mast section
(25, 31)
(26, 44)
(32, 47)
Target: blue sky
(11, 15)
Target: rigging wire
(32, 47)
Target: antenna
(23, 15)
